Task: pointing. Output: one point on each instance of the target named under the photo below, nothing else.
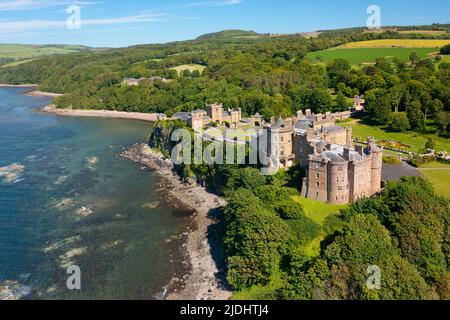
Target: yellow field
(397, 43)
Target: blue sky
(115, 23)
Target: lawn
(415, 140)
(439, 175)
(318, 212)
(190, 67)
(360, 56)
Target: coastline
(149, 117)
(33, 92)
(203, 281)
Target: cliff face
(160, 138)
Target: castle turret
(377, 164)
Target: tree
(443, 118)
(415, 115)
(445, 50)
(342, 103)
(430, 145)
(400, 122)
(378, 106)
(414, 58)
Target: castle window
(337, 179)
(317, 184)
(317, 175)
(341, 168)
(317, 194)
(340, 188)
(282, 139)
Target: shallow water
(66, 198)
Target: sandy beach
(150, 117)
(37, 93)
(204, 279)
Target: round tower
(377, 165)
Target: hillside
(228, 34)
(14, 54)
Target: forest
(258, 73)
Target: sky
(114, 23)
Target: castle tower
(377, 164)
(215, 112)
(196, 120)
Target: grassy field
(318, 212)
(439, 175)
(415, 140)
(190, 67)
(366, 52)
(397, 43)
(360, 56)
(24, 53)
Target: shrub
(445, 49)
(400, 123)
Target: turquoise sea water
(66, 198)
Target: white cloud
(213, 3)
(18, 5)
(32, 25)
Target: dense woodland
(258, 73)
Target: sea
(76, 220)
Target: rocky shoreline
(204, 279)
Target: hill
(14, 54)
(228, 34)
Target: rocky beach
(205, 277)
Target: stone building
(214, 114)
(341, 175)
(337, 173)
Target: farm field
(360, 56)
(397, 43)
(439, 175)
(25, 53)
(415, 140)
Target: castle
(214, 114)
(336, 171)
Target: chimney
(308, 112)
(359, 149)
(370, 142)
(346, 153)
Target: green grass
(261, 292)
(190, 67)
(359, 56)
(22, 52)
(415, 140)
(439, 175)
(317, 211)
